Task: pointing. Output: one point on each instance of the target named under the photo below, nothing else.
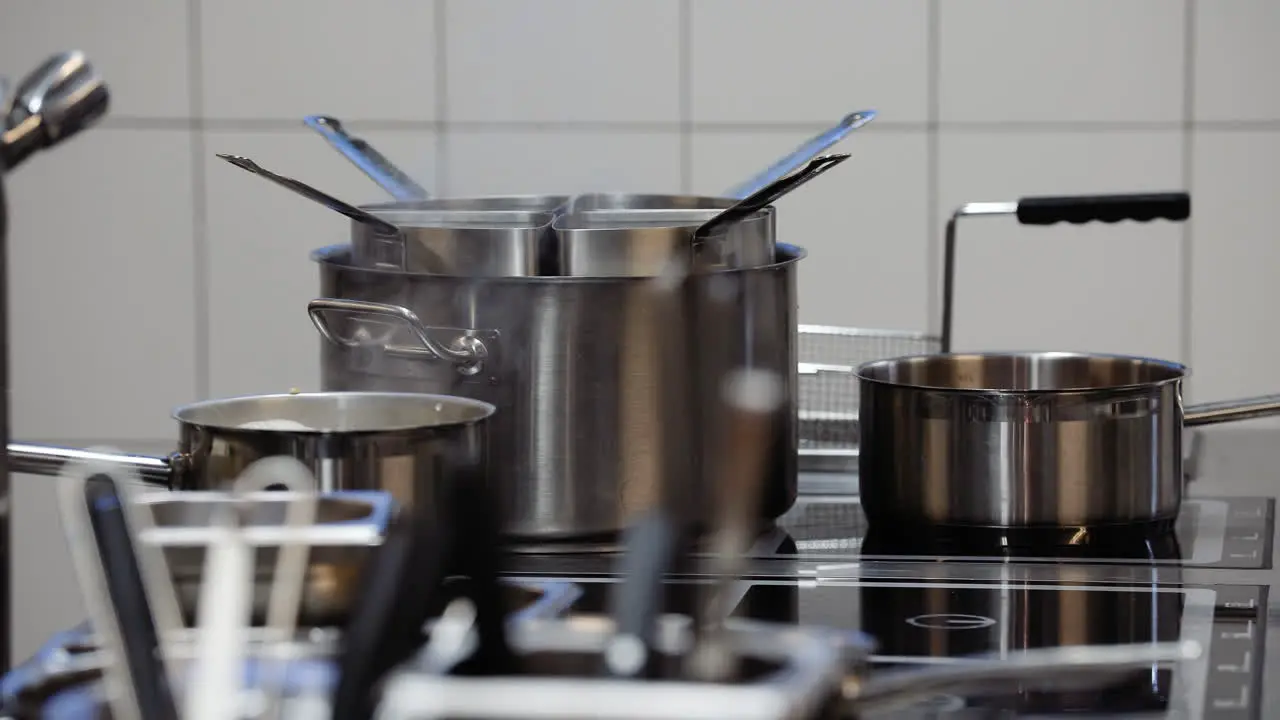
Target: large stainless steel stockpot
(576, 391)
(1028, 439)
(397, 442)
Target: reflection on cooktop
(922, 624)
(1227, 532)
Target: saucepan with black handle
(1032, 439)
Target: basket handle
(1075, 209)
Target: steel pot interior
(335, 412)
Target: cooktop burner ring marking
(951, 621)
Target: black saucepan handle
(1080, 209)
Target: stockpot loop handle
(1051, 210)
(467, 353)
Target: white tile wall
(145, 273)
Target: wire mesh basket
(828, 390)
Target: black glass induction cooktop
(1210, 532)
(919, 623)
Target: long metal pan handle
(1075, 209)
(381, 226)
(1231, 411)
(765, 196)
(468, 353)
(802, 154)
(1049, 666)
(49, 460)
(371, 162)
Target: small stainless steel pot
(640, 243)
(1028, 439)
(389, 441)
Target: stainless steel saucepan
(389, 441)
(1028, 439)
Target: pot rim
(482, 412)
(325, 256)
(1179, 372)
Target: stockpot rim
(1178, 373)
(484, 411)
(324, 256)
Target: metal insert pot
(490, 243)
(1028, 439)
(395, 442)
(576, 391)
(639, 243)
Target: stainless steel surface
(389, 441)
(59, 99)
(646, 201)
(556, 349)
(1019, 439)
(638, 243)
(363, 155)
(487, 243)
(828, 387)
(804, 153)
(492, 203)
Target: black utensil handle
(1080, 209)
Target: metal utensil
(766, 196)
(751, 398)
(802, 154)
(640, 243)
(371, 162)
(448, 242)
(59, 99)
(654, 535)
(373, 222)
(779, 169)
(116, 575)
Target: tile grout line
(685, 90)
(1188, 165)
(881, 126)
(441, 124)
(932, 174)
(199, 205)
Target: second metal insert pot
(1028, 439)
